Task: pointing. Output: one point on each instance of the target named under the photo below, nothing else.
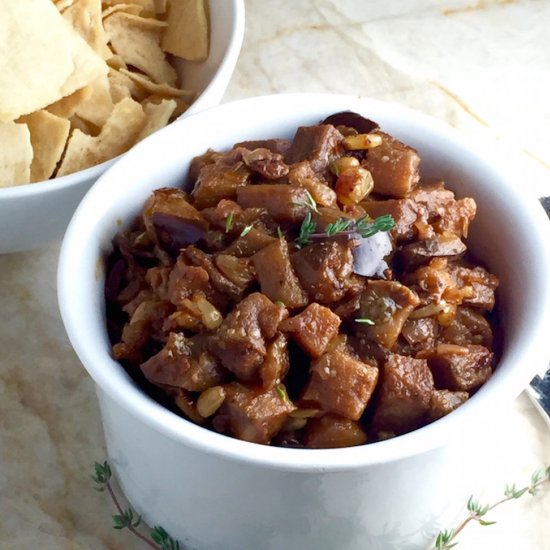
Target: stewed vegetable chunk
(329, 432)
(252, 414)
(313, 329)
(240, 342)
(324, 269)
(444, 402)
(461, 368)
(405, 395)
(394, 167)
(387, 305)
(176, 365)
(276, 275)
(341, 384)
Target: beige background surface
(482, 66)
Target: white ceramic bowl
(34, 214)
(215, 492)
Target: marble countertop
(483, 66)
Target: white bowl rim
(434, 435)
(93, 172)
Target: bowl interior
(508, 235)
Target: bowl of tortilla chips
(82, 81)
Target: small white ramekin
(34, 214)
(214, 492)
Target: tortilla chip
(15, 154)
(116, 62)
(116, 137)
(84, 126)
(118, 87)
(62, 5)
(122, 86)
(187, 32)
(49, 135)
(132, 9)
(136, 39)
(99, 105)
(164, 90)
(148, 8)
(67, 106)
(160, 6)
(158, 116)
(85, 18)
(48, 59)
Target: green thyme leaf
(119, 522)
(444, 540)
(536, 477)
(308, 203)
(102, 475)
(338, 226)
(246, 230)
(365, 321)
(228, 222)
(279, 232)
(306, 230)
(127, 519)
(512, 492)
(281, 392)
(368, 228)
(160, 536)
(364, 226)
(280, 303)
(311, 201)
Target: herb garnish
(365, 321)
(367, 228)
(309, 202)
(338, 226)
(280, 303)
(281, 392)
(364, 226)
(307, 229)
(279, 232)
(127, 518)
(246, 230)
(447, 539)
(228, 222)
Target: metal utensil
(539, 392)
(539, 388)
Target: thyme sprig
(365, 321)
(228, 222)
(338, 226)
(477, 512)
(281, 392)
(364, 226)
(127, 518)
(308, 203)
(307, 229)
(246, 230)
(367, 228)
